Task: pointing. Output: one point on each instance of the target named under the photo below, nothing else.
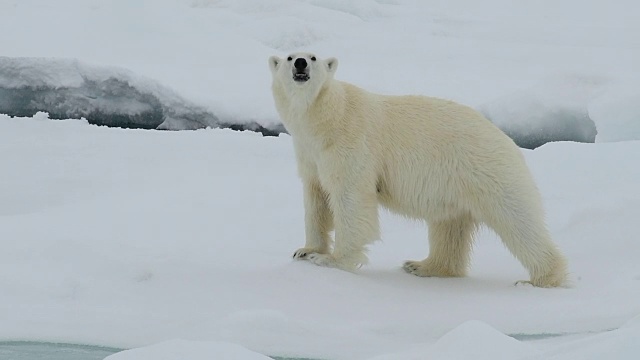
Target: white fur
(422, 157)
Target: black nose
(300, 64)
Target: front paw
(303, 253)
(326, 259)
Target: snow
(126, 238)
(175, 243)
(618, 344)
(192, 350)
(553, 110)
(481, 342)
(103, 95)
(475, 53)
(470, 340)
(478, 341)
(619, 113)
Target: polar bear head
(302, 73)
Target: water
(545, 336)
(30, 350)
(27, 350)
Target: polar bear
(421, 157)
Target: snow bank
(569, 108)
(68, 89)
(553, 110)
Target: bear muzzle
(300, 70)
(301, 75)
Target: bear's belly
(420, 199)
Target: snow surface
(130, 238)
(192, 350)
(126, 238)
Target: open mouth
(300, 77)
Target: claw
(300, 255)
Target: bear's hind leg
(449, 248)
(525, 235)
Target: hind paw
(427, 269)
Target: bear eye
(313, 58)
(289, 58)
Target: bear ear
(332, 64)
(274, 62)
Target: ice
(103, 95)
(553, 110)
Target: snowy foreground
(129, 238)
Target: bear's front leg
(318, 220)
(355, 211)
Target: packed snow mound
(191, 350)
(554, 110)
(477, 340)
(67, 88)
(472, 340)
